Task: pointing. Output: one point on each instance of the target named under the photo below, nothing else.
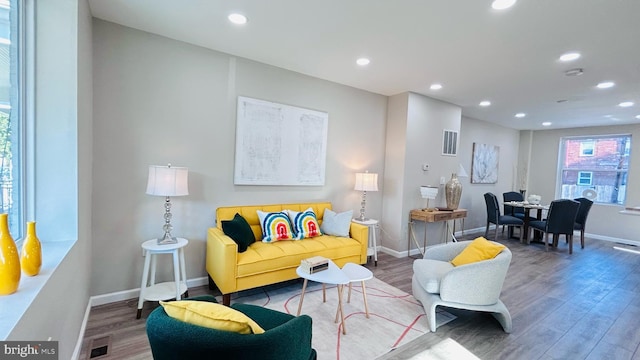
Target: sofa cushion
(478, 250)
(240, 231)
(275, 226)
(336, 224)
(305, 224)
(211, 315)
(429, 273)
(264, 258)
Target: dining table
(527, 207)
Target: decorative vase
(9, 259)
(452, 192)
(31, 256)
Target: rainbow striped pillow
(305, 224)
(275, 226)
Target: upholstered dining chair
(518, 212)
(510, 210)
(494, 216)
(560, 220)
(581, 218)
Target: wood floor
(580, 306)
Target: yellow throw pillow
(478, 250)
(211, 315)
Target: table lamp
(167, 181)
(429, 193)
(365, 182)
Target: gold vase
(31, 256)
(452, 192)
(9, 259)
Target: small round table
(151, 291)
(333, 275)
(357, 273)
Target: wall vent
(450, 143)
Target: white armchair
(474, 286)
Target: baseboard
(610, 239)
(135, 293)
(83, 327)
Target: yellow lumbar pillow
(211, 315)
(478, 250)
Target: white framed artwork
(279, 144)
(484, 165)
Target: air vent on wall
(450, 143)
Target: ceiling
(508, 57)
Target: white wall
(63, 169)
(604, 221)
(157, 100)
(482, 132)
(414, 137)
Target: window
(10, 115)
(595, 168)
(584, 177)
(586, 148)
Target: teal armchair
(286, 337)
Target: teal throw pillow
(240, 231)
(336, 224)
(305, 224)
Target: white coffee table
(334, 276)
(357, 273)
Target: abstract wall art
(484, 165)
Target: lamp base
(167, 239)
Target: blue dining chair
(560, 221)
(494, 216)
(518, 212)
(581, 218)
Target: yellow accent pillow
(211, 315)
(478, 250)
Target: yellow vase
(9, 259)
(31, 256)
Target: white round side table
(372, 249)
(358, 273)
(149, 290)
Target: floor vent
(99, 347)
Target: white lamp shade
(366, 182)
(428, 192)
(461, 171)
(168, 181)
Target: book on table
(314, 264)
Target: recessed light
(626, 104)
(637, 116)
(485, 103)
(521, 115)
(363, 61)
(435, 86)
(546, 123)
(237, 19)
(569, 56)
(502, 4)
(605, 85)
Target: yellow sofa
(270, 263)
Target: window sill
(14, 306)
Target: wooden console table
(431, 217)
